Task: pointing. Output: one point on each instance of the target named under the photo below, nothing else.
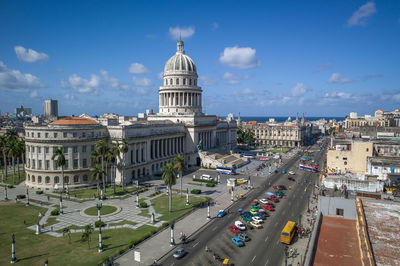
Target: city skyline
(264, 59)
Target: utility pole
(61, 207)
(13, 258)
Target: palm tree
(123, 148)
(86, 236)
(102, 148)
(11, 152)
(3, 147)
(95, 173)
(111, 158)
(67, 231)
(20, 151)
(59, 157)
(179, 166)
(169, 178)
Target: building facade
(51, 109)
(180, 127)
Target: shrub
(210, 185)
(195, 191)
(143, 204)
(21, 196)
(99, 224)
(11, 186)
(165, 224)
(39, 192)
(55, 212)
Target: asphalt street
(264, 247)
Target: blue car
(221, 213)
(261, 216)
(237, 241)
(248, 214)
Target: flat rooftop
(337, 243)
(383, 219)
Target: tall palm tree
(111, 158)
(59, 157)
(123, 148)
(169, 178)
(102, 148)
(3, 147)
(179, 166)
(86, 236)
(11, 152)
(95, 173)
(67, 231)
(20, 151)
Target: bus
(249, 155)
(225, 170)
(288, 232)
(308, 168)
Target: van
(207, 177)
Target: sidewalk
(158, 245)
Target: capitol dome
(180, 63)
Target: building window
(84, 148)
(337, 157)
(190, 82)
(47, 179)
(65, 149)
(76, 179)
(345, 163)
(85, 178)
(75, 149)
(39, 150)
(344, 158)
(55, 135)
(56, 180)
(92, 147)
(29, 178)
(83, 134)
(84, 163)
(367, 149)
(184, 81)
(195, 82)
(39, 164)
(66, 179)
(46, 135)
(177, 81)
(66, 164)
(339, 212)
(33, 179)
(170, 82)
(39, 179)
(64, 134)
(74, 134)
(46, 149)
(38, 135)
(75, 163)
(47, 164)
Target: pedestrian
(24, 222)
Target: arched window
(56, 180)
(29, 178)
(33, 179)
(47, 179)
(184, 81)
(85, 178)
(190, 82)
(39, 179)
(76, 179)
(66, 179)
(177, 81)
(170, 82)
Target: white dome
(180, 63)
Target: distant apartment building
(21, 112)
(380, 119)
(51, 109)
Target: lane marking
(266, 239)
(276, 223)
(214, 229)
(266, 262)
(253, 259)
(172, 263)
(195, 244)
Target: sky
(259, 58)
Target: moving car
(237, 241)
(283, 171)
(241, 181)
(244, 237)
(207, 177)
(221, 213)
(263, 201)
(179, 253)
(240, 225)
(291, 179)
(291, 173)
(234, 229)
(256, 225)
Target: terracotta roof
(73, 120)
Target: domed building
(180, 127)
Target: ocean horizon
(261, 119)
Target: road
(264, 247)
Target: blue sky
(264, 58)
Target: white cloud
(69, 96)
(84, 86)
(322, 67)
(160, 75)
(34, 94)
(143, 91)
(232, 78)
(372, 76)
(111, 82)
(178, 32)
(29, 56)
(215, 25)
(337, 78)
(207, 81)
(142, 82)
(137, 68)
(360, 16)
(14, 80)
(298, 90)
(239, 57)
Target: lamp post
(6, 192)
(99, 205)
(61, 207)
(137, 198)
(172, 242)
(46, 263)
(13, 258)
(100, 241)
(27, 197)
(208, 211)
(232, 194)
(187, 196)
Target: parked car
(257, 219)
(179, 253)
(280, 193)
(269, 207)
(234, 229)
(244, 237)
(253, 212)
(240, 225)
(248, 214)
(255, 208)
(246, 218)
(256, 225)
(261, 216)
(221, 213)
(263, 201)
(237, 241)
(282, 187)
(277, 187)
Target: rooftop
(73, 120)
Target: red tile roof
(73, 120)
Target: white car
(257, 219)
(263, 201)
(240, 225)
(291, 173)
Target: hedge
(99, 224)
(55, 212)
(143, 204)
(210, 185)
(39, 192)
(21, 196)
(195, 191)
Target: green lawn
(195, 184)
(9, 179)
(123, 222)
(106, 209)
(145, 213)
(90, 192)
(34, 250)
(179, 208)
(50, 221)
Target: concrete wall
(328, 206)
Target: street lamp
(61, 206)
(172, 242)
(13, 258)
(187, 196)
(208, 211)
(6, 192)
(100, 240)
(137, 198)
(99, 205)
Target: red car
(234, 229)
(270, 204)
(269, 207)
(278, 187)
